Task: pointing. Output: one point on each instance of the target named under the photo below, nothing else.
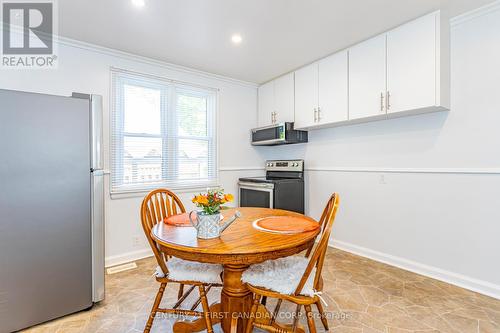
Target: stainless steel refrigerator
(51, 206)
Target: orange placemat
(285, 224)
(179, 220)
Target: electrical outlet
(382, 179)
(136, 241)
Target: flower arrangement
(212, 201)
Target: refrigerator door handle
(97, 132)
(97, 235)
(96, 129)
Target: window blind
(163, 134)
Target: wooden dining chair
(156, 206)
(304, 273)
(322, 222)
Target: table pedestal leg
(236, 300)
(232, 311)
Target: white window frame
(168, 133)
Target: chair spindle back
(156, 206)
(318, 255)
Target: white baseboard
(479, 286)
(128, 257)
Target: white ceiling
(278, 35)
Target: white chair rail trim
(486, 171)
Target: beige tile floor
(364, 296)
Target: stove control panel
(285, 165)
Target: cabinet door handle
(388, 100)
(382, 102)
(315, 115)
(319, 113)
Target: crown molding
(475, 13)
(149, 61)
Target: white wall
(83, 68)
(434, 211)
(437, 211)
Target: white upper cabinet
(306, 96)
(401, 72)
(413, 65)
(333, 88)
(367, 78)
(284, 98)
(321, 92)
(276, 101)
(266, 104)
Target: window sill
(139, 193)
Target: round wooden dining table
(238, 247)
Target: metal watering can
(210, 226)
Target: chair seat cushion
(282, 275)
(184, 270)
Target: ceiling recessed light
(139, 3)
(236, 38)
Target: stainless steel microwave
(278, 134)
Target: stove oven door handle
(256, 185)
